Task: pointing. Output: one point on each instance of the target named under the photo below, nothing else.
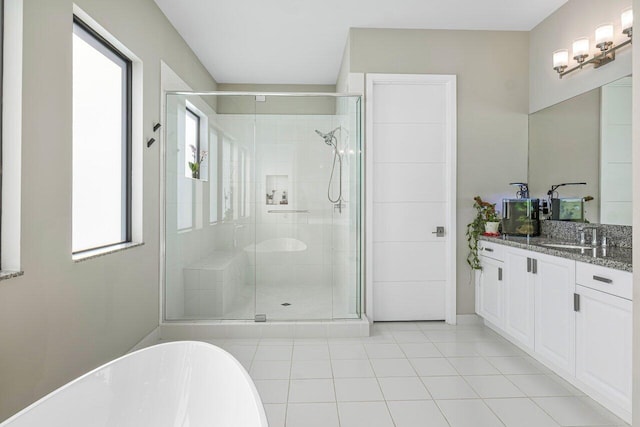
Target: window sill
(96, 253)
(6, 275)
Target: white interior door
(410, 193)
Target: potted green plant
(195, 164)
(485, 215)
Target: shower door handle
(439, 231)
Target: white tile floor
(425, 374)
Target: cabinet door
(518, 297)
(490, 295)
(603, 344)
(555, 283)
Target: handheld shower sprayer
(331, 140)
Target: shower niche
(277, 187)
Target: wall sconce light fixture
(604, 42)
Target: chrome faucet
(594, 234)
(583, 240)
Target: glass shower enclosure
(263, 204)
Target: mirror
(586, 139)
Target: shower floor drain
(286, 304)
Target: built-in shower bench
(211, 283)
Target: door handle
(534, 266)
(499, 274)
(576, 302)
(488, 249)
(602, 279)
(439, 231)
(528, 265)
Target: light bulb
(604, 36)
(581, 49)
(627, 21)
(560, 60)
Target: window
(213, 176)
(101, 142)
(245, 180)
(227, 180)
(192, 155)
(11, 49)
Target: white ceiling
(302, 41)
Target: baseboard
(469, 319)
(152, 338)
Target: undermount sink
(565, 246)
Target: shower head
(328, 137)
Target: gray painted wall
(577, 18)
(492, 72)
(62, 318)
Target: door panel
(410, 102)
(402, 261)
(519, 298)
(603, 344)
(490, 291)
(409, 182)
(407, 143)
(396, 301)
(555, 318)
(408, 222)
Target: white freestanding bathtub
(185, 383)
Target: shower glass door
(262, 207)
(306, 205)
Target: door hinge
(576, 302)
(260, 318)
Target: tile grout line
(420, 378)
(391, 338)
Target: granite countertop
(615, 257)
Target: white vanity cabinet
(538, 294)
(574, 317)
(519, 296)
(555, 283)
(604, 333)
(489, 284)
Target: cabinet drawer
(609, 280)
(491, 250)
